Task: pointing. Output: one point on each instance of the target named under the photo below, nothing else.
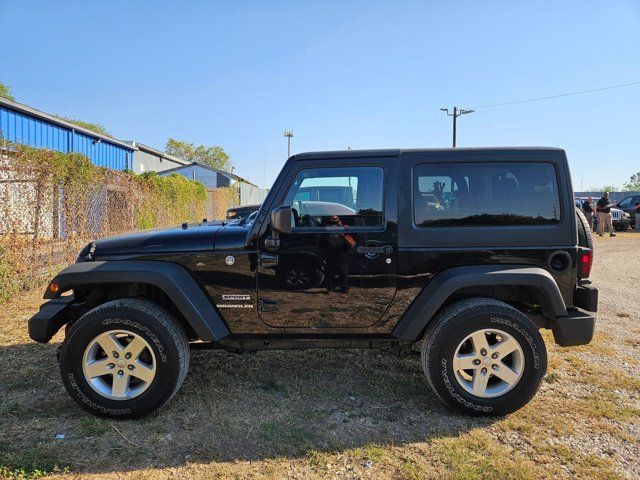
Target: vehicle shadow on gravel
(231, 408)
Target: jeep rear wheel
(124, 359)
(483, 357)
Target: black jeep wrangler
(463, 253)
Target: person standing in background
(587, 209)
(604, 215)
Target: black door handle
(387, 249)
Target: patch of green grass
(30, 463)
(272, 387)
(94, 426)
(583, 466)
(475, 455)
(293, 435)
(598, 406)
(318, 459)
(412, 470)
(552, 377)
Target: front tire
(124, 359)
(483, 357)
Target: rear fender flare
(446, 283)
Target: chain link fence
(52, 204)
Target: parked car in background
(237, 213)
(627, 205)
(621, 220)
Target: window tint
(492, 194)
(348, 196)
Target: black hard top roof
(393, 152)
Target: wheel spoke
(97, 368)
(505, 347)
(464, 361)
(136, 347)
(143, 372)
(505, 374)
(479, 340)
(120, 385)
(109, 343)
(480, 380)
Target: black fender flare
(173, 279)
(433, 296)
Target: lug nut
(111, 365)
(127, 355)
(120, 372)
(476, 362)
(495, 355)
(483, 352)
(130, 367)
(484, 370)
(115, 354)
(495, 367)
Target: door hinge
(267, 305)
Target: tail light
(585, 260)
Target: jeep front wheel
(124, 359)
(483, 357)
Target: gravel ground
(338, 414)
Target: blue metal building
(28, 126)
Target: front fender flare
(171, 278)
(433, 296)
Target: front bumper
(621, 222)
(49, 319)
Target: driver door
(337, 269)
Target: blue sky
(363, 74)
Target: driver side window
(349, 197)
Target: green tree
(214, 156)
(5, 92)
(634, 183)
(94, 127)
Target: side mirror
(281, 219)
(280, 223)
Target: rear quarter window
(485, 194)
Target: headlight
(626, 215)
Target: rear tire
(476, 333)
(124, 359)
(584, 231)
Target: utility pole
(288, 134)
(456, 113)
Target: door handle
(387, 249)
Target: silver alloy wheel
(488, 363)
(119, 364)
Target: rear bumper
(49, 319)
(575, 329)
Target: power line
(558, 96)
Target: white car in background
(620, 219)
